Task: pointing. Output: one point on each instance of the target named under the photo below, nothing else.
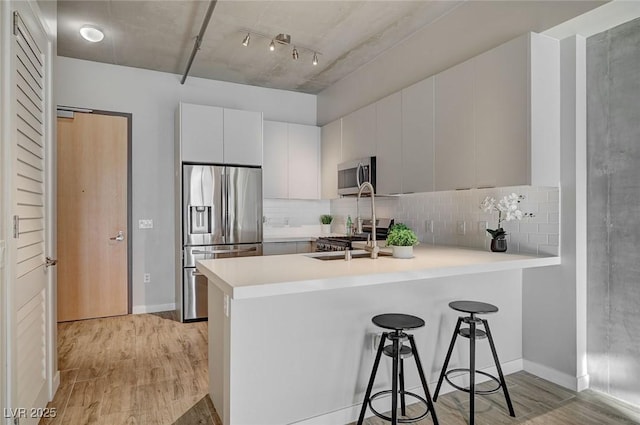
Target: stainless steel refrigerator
(221, 218)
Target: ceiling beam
(198, 42)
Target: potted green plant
(326, 220)
(402, 239)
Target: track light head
(272, 46)
(294, 54)
(246, 40)
(315, 59)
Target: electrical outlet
(461, 228)
(375, 341)
(225, 305)
(145, 223)
(482, 227)
(428, 226)
(147, 278)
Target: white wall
(152, 98)
(554, 298)
(449, 40)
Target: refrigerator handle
(223, 201)
(227, 230)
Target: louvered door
(29, 289)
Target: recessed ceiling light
(91, 33)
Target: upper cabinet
(497, 117)
(275, 169)
(242, 137)
(200, 133)
(417, 168)
(389, 141)
(454, 132)
(331, 156)
(304, 161)
(291, 167)
(212, 134)
(359, 133)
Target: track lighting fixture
(283, 39)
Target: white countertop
(253, 277)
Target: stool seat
(473, 307)
(397, 321)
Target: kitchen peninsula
(291, 338)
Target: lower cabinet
(282, 248)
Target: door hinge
(16, 17)
(16, 227)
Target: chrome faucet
(374, 244)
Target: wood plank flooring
(151, 370)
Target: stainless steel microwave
(352, 174)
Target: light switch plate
(461, 227)
(147, 278)
(145, 223)
(428, 226)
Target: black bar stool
(473, 308)
(398, 352)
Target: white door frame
(4, 113)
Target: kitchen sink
(339, 255)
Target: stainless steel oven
(352, 174)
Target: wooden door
(92, 216)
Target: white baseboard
(55, 384)
(560, 378)
(351, 413)
(142, 309)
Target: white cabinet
(418, 126)
(501, 124)
(200, 133)
(497, 117)
(283, 248)
(359, 133)
(291, 161)
(331, 156)
(454, 128)
(212, 134)
(389, 167)
(275, 169)
(304, 161)
(242, 137)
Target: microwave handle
(358, 174)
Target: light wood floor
(151, 370)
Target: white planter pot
(325, 229)
(403, 251)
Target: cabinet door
(417, 137)
(201, 133)
(275, 169)
(454, 141)
(303, 247)
(359, 133)
(304, 167)
(242, 137)
(331, 156)
(279, 248)
(501, 115)
(389, 145)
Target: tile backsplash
(293, 212)
(455, 217)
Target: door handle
(119, 237)
(50, 262)
(196, 273)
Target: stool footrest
(400, 420)
(405, 351)
(467, 390)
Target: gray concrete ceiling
(159, 35)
